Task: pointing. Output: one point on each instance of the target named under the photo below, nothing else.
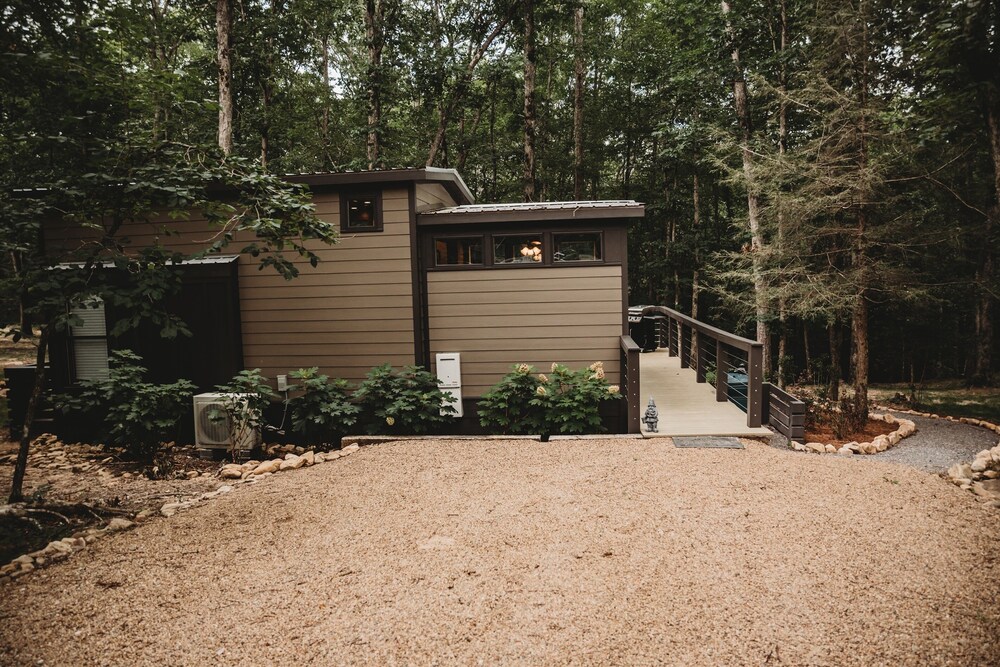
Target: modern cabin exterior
(419, 269)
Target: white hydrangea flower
(390, 421)
(542, 377)
(541, 391)
(613, 389)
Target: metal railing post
(685, 346)
(721, 373)
(699, 356)
(755, 378)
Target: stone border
(250, 472)
(877, 445)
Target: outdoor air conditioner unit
(215, 433)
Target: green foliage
(247, 396)
(132, 413)
(507, 408)
(405, 402)
(569, 401)
(565, 401)
(323, 413)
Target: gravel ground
(510, 552)
(938, 444)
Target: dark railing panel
(784, 413)
(630, 383)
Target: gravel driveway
(570, 552)
(938, 444)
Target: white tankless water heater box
(449, 372)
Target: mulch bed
(824, 433)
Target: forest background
(823, 176)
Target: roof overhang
(448, 178)
(564, 211)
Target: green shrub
(405, 402)
(506, 409)
(132, 413)
(324, 412)
(248, 394)
(565, 402)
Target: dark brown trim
(421, 331)
(449, 178)
(565, 215)
(345, 198)
(620, 237)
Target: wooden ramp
(687, 407)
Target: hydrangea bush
(563, 402)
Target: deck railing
(703, 347)
(784, 413)
(630, 384)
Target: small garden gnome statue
(651, 418)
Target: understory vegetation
(564, 402)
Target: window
(458, 251)
(89, 340)
(585, 247)
(361, 212)
(517, 249)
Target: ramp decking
(687, 407)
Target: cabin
(420, 270)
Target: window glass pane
(577, 247)
(450, 252)
(361, 212)
(517, 249)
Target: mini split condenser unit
(212, 433)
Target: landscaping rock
(845, 451)
(267, 467)
(309, 457)
(293, 463)
(118, 524)
(830, 449)
(231, 473)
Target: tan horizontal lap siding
(498, 317)
(351, 312)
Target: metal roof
(448, 178)
(529, 212)
(538, 206)
(210, 259)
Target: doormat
(708, 441)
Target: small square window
(458, 251)
(361, 213)
(517, 249)
(585, 247)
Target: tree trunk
(530, 121)
(833, 334)
(325, 118)
(695, 276)
(982, 373)
(578, 71)
(21, 465)
(783, 360)
(742, 104)
(223, 36)
(24, 317)
(375, 38)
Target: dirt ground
(517, 552)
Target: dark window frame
(483, 238)
(583, 262)
(345, 200)
(546, 253)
